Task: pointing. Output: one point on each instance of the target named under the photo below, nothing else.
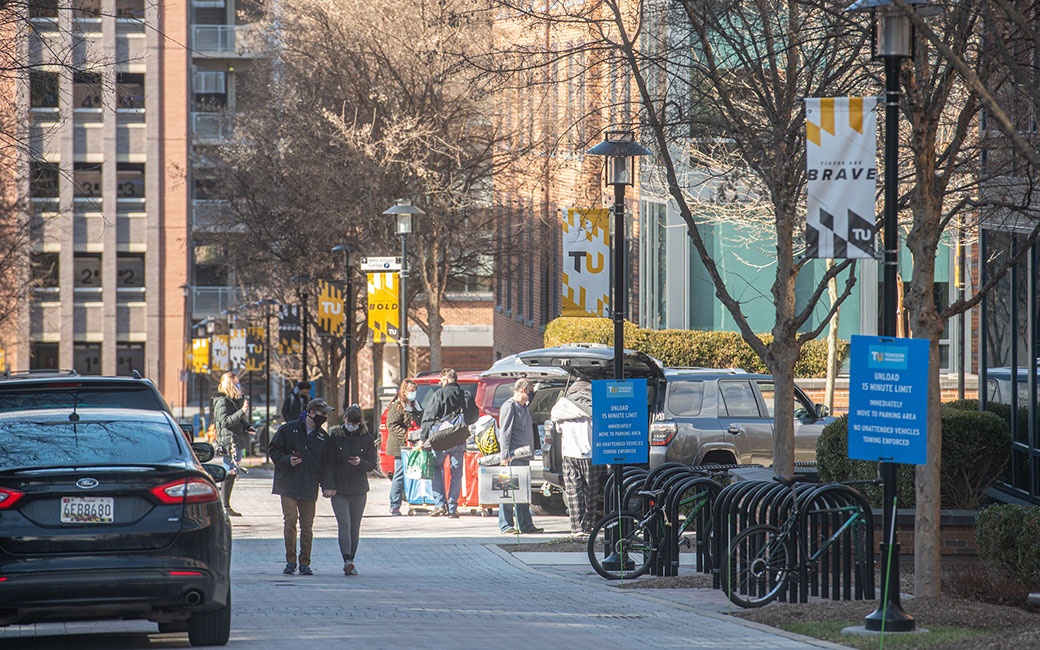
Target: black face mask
(319, 420)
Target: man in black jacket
(446, 401)
(294, 402)
(297, 451)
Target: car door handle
(736, 429)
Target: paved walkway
(429, 582)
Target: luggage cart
(418, 493)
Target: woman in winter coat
(349, 457)
(231, 424)
(402, 414)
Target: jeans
(294, 510)
(397, 485)
(456, 454)
(349, 509)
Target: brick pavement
(424, 582)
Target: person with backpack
(350, 457)
(294, 402)
(232, 429)
(446, 402)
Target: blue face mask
(411, 396)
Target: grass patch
(559, 545)
(937, 635)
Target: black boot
(226, 487)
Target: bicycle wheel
(619, 547)
(758, 565)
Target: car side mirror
(822, 410)
(216, 471)
(204, 451)
(189, 430)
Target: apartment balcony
(207, 302)
(210, 128)
(227, 41)
(206, 215)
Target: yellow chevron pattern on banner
(586, 262)
(330, 308)
(383, 311)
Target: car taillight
(661, 433)
(8, 497)
(192, 490)
(185, 573)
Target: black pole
(962, 317)
(303, 336)
(348, 328)
(403, 311)
(267, 379)
(890, 616)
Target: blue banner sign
(620, 424)
(888, 399)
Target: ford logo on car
(87, 483)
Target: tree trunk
(436, 327)
(832, 342)
(782, 368)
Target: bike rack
(841, 575)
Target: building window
(130, 270)
(130, 180)
(43, 356)
(130, 9)
(210, 266)
(86, 358)
(45, 276)
(43, 89)
(87, 270)
(43, 180)
(43, 8)
(86, 9)
(130, 90)
(86, 90)
(210, 88)
(129, 357)
(87, 180)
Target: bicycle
(623, 545)
(762, 559)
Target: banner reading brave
(841, 167)
(382, 306)
(586, 263)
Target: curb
(508, 557)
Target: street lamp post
(403, 210)
(267, 302)
(208, 324)
(348, 318)
(892, 40)
(619, 149)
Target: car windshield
(424, 392)
(26, 398)
(26, 444)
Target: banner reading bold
(289, 329)
(330, 308)
(841, 168)
(382, 306)
(586, 263)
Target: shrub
(1007, 538)
(976, 447)
(1001, 410)
(681, 348)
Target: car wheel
(168, 627)
(212, 627)
(554, 504)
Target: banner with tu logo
(586, 263)
(382, 306)
(841, 168)
(330, 308)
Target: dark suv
(109, 513)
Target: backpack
(485, 434)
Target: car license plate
(87, 510)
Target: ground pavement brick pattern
(423, 582)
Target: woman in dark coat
(349, 457)
(402, 414)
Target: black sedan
(109, 514)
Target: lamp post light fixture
(348, 315)
(620, 149)
(403, 210)
(893, 39)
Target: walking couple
(307, 457)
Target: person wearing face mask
(402, 414)
(298, 452)
(344, 479)
(231, 424)
(516, 430)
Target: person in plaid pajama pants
(583, 481)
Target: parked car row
(107, 510)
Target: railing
(206, 214)
(207, 302)
(209, 126)
(227, 40)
